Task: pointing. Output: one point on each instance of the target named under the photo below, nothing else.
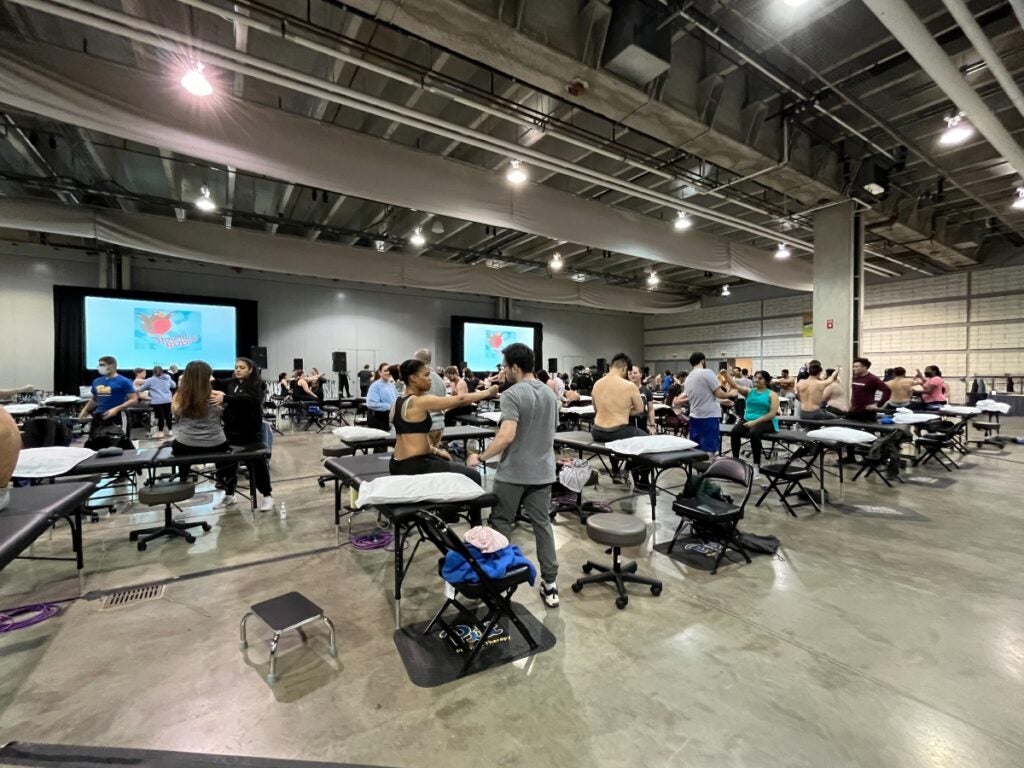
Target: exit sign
(830, 324)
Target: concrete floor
(872, 640)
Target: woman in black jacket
(242, 396)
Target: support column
(838, 286)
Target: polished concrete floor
(890, 633)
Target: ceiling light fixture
(195, 82)
(556, 262)
(579, 278)
(682, 222)
(437, 227)
(204, 202)
(725, 290)
(653, 279)
(874, 189)
(1018, 204)
(417, 238)
(516, 173)
(783, 252)
(957, 130)
(794, 3)
(379, 245)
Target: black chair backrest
(805, 454)
(437, 532)
(733, 471)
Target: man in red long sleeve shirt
(864, 387)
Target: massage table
(352, 471)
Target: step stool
(283, 613)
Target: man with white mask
(112, 394)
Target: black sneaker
(549, 594)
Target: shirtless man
(901, 387)
(811, 393)
(616, 401)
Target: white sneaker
(268, 504)
(157, 435)
(227, 501)
(549, 594)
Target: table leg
(399, 572)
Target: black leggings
(605, 435)
(162, 414)
(227, 471)
(430, 463)
(744, 429)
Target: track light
(1018, 204)
(417, 238)
(379, 245)
(204, 202)
(725, 290)
(556, 262)
(682, 222)
(516, 173)
(957, 130)
(653, 279)
(783, 252)
(195, 82)
(437, 227)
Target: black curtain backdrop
(69, 370)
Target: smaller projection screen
(478, 341)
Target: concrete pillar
(838, 286)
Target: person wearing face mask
(112, 395)
(525, 442)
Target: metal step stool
(283, 613)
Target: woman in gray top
(199, 427)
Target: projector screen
(478, 342)
(142, 333)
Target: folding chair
(496, 594)
(713, 519)
(787, 477)
(933, 445)
(880, 454)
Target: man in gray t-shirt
(702, 392)
(525, 440)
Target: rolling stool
(283, 613)
(616, 530)
(167, 494)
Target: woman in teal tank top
(759, 415)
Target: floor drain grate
(132, 596)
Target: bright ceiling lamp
(556, 262)
(195, 82)
(417, 238)
(653, 279)
(794, 3)
(725, 290)
(1018, 204)
(783, 252)
(957, 130)
(516, 173)
(682, 222)
(204, 202)
(579, 277)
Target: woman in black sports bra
(411, 418)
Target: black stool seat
(710, 510)
(166, 493)
(614, 529)
(786, 471)
(986, 425)
(287, 611)
(335, 451)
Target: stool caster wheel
(621, 602)
(577, 587)
(655, 591)
(142, 546)
(321, 483)
(206, 527)
(243, 645)
(587, 567)
(190, 539)
(271, 679)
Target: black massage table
(32, 510)
(165, 458)
(128, 464)
(657, 463)
(352, 471)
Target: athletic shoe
(268, 504)
(227, 501)
(549, 594)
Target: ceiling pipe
(161, 37)
(962, 16)
(912, 34)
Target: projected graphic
(160, 331)
(483, 342)
(142, 333)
